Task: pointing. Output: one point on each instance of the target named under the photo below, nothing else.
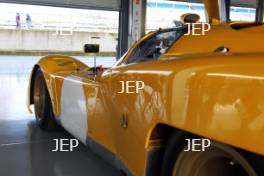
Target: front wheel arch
(44, 113)
(31, 85)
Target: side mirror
(91, 48)
(190, 18)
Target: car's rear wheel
(217, 160)
(42, 103)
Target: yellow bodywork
(54, 68)
(212, 11)
(214, 95)
(219, 96)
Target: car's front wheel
(42, 103)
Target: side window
(153, 47)
(246, 13)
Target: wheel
(217, 160)
(42, 103)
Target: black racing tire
(217, 160)
(42, 103)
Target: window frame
(149, 36)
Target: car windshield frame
(125, 57)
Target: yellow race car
(174, 104)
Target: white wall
(33, 40)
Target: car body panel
(55, 68)
(221, 35)
(216, 97)
(74, 117)
(212, 9)
(210, 99)
(192, 88)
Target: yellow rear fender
(222, 101)
(218, 96)
(54, 68)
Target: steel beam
(139, 8)
(259, 14)
(123, 29)
(132, 23)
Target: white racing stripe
(73, 108)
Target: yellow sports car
(174, 104)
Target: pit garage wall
(31, 40)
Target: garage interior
(26, 150)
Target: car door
(129, 116)
(84, 112)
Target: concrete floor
(25, 150)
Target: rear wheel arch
(177, 143)
(156, 145)
(160, 141)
